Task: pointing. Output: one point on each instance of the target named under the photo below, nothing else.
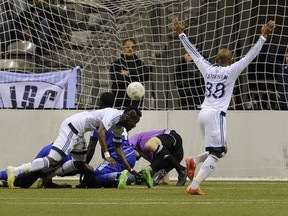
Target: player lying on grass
(27, 180)
(219, 80)
(163, 149)
(106, 174)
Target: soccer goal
(89, 34)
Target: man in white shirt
(219, 83)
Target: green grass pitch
(223, 199)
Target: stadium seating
(21, 50)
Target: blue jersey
(109, 140)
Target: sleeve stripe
(188, 44)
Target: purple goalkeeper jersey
(138, 142)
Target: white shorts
(213, 128)
(69, 142)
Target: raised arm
(256, 48)
(178, 26)
(267, 28)
(199, 60)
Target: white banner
(46, 90)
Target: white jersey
(90, 120)
(220, 81)
(71, 133)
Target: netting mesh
(89, 34)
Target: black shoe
(54, 185)
(158, 176)
(182, 178)
(50, 184)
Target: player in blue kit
(219, 80)
(106, 174)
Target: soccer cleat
(190, 168)
(147, 178)
(182, 178)
(197, 191)
(122, 181)
(10, 177)
(40, 183)
(158, 176)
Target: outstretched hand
(267, 28)
(178, 26)
(134, 172)
(111, 161)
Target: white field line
(193, 202)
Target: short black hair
(106, 100)
(133, 108)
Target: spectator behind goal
(40, 22)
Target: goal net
(89, 34)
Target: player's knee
(217, 154)
(80, 165)
(223, 153)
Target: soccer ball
(135, 90)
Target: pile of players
(69, 155)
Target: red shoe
(197, 191)
(190, 167)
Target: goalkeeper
(219, 83)
(163, 149)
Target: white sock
(35, 165)
(67, 167)
(205, 171)
(201, 157)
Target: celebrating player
(219, 83)
(71, 140)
